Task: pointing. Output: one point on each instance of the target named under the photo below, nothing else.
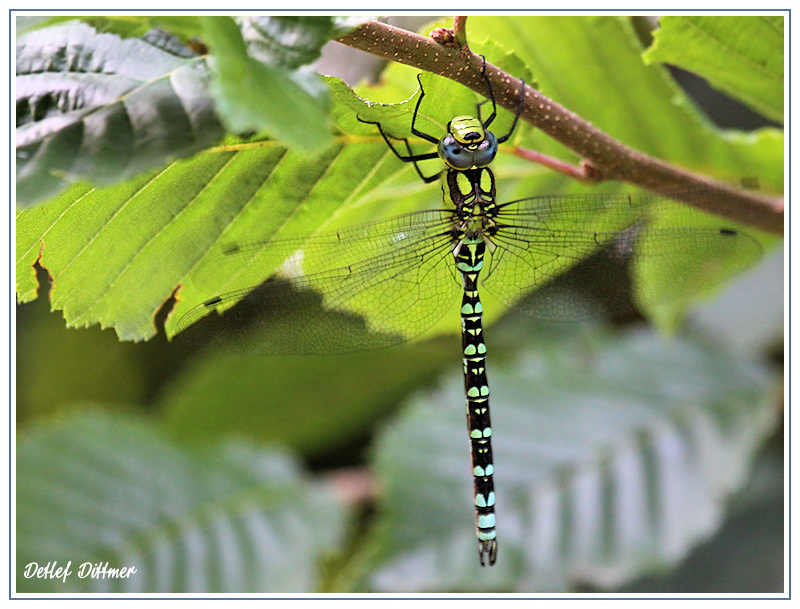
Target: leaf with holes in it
(100, 488)
(99, 108)
(613, 458)
(739, 55)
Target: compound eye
(486, 151)
(454, 154)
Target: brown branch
(610, 158)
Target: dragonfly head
(467, 144)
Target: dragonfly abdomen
(469, 261)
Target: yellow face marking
(467, 130)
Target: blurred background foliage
(626, 461)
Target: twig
(353, 485)
(460, 32)
(609, 157)
(584, 172)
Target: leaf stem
(611, 159)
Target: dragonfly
(380, 284)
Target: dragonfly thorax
(476, 226)
(472, 191)
(467, 144)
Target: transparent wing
(558, 257)
(566, 258)
(367, 287)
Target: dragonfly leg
(502, 139)
(411, 157)
(407, 158)
(492, 116)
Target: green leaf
(443, 100)
(261, 82)
(105, 272)
(742, 56)
(747, 554)
(99, 488)
(125, 26)
(292, 42)
(605, 469)
(349, 393)
(79, 365)
(593, 66)
(96, 107)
